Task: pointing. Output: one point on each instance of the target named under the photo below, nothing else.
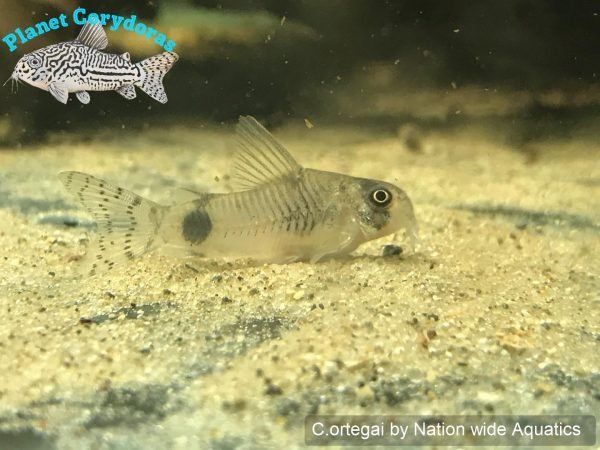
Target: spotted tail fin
(153, 70)
(127, 223)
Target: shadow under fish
(79, 66)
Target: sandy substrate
(496, 312)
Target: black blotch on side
(196, 226)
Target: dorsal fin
(93, 36)
(260, 158)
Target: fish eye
(381, 197)
(34, 62)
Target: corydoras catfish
(80, 66)
(282, 213)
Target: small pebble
(392, 250)
(288, 407)
(236, 405)
(330, 369)
(365, 395)
(273, 389)
(146, 349)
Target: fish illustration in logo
(282, 213)
(79, 66)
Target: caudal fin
(153, 70)
(127, 223)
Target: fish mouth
(14, 79)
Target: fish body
(80, 66)
(305, 217)
(282, 213)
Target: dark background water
(284, 69)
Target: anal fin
(127, 91)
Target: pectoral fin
(83, 97)
(59, 90)
(127, 91)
